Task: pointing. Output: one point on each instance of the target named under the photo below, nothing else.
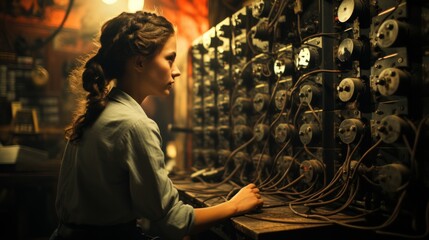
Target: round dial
(349, 89)
(349, 50)
(349, 10)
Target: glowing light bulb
(135, 5)
(171, 150)
(109, 2)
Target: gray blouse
(116, 173)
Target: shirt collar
(122, 97)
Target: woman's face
(160, 71)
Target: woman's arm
(247, 199)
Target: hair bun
(93, 76)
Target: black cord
(60, 27)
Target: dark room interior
(320, 107)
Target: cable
(408, 236)
(388, 14)
(319, 35)
(267, 139)
(306, 75)
(250, 42)
(285, 220)
(285, 173)
(263, 184)
(314, 114)
(281, 8)
(339, 173)
(342, 223)
(60, 27)
(352, 195)
(298, 26)
(311, 154)
(292, 183)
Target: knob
(350, 130)
(393, 81)
(349, 10)
(349, 89)
(350, 50)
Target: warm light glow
(171, 150)
(109, 1)
(135, 5)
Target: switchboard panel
(322, 103)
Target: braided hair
(125, 36)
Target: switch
(242, 105)
(350, 50)
(392, 176)
(349, 10)
(392, 128)
(284, 132)
(283, 66)
(392, 33)
(349, 89)
(242, 133)
(311, 169)
(309, 94)
(393, 81)
(306, 58)
(260, 102)
(261, 8)
(309, 133)
(350, 130)
(281, 98)
(261, 132)
(258, 70)
(241, 158)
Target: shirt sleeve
(152, 193)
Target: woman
(112, 171)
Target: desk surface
(38, 173)
(275, 221)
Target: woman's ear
(139, 63)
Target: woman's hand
(247, 199)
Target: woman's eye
(171, 58)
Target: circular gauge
(349, 89)
(349, 50)
(306, 58)
(349, 10)
(39, 75)
(350, 130)
(392, 33)
(393, 81)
